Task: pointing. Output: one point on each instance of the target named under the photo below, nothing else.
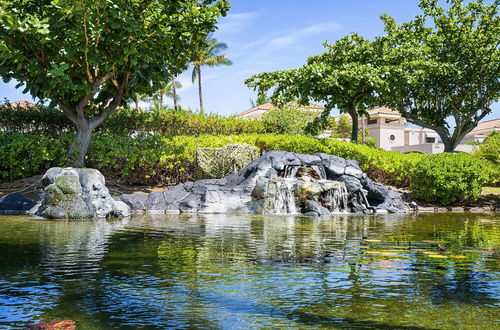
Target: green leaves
(444, 64)
(448, 178)
(347, 76)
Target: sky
(270, 35)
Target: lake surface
(244, 272)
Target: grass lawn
(490, 191)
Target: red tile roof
(488, 124)
(22, 104)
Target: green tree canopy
(346, 76)
(88, 56)
(445, 66)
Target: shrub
(163, 160)
(46, 120)
(24, 155)
(287, 120)
(447, 178)
(490, 148)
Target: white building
(392, 133)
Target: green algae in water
(431, 271)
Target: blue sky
(269, 35)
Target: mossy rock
(68, 184)
(217, 163)
(53, 195)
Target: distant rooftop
(488, 125)
(257, 111)
(22, 104)
(384, 111)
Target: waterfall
(336, 198)
(290, 171)
(321, 171)
(285, 197)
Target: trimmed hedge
(448, 178)
(50, 121)
(161, 160)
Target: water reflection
(252, 271)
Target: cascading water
(321, 171)
(298, 188)
(290, 171)
(336, 198)
(285, 197)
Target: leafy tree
(288, 119)
(445, 66)
(346, 76)
(89, 56)
(208, 54)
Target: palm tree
(169, 89)
(209, 55)
(261, 99)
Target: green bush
(46, 120)
(490, 148)
(448, 178)
(162, 160)
(287, 120)
(24, 155)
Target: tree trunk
(199, 90)
(355, 125)
(136, 104)
(82, 142)
(174, 94)
(451, 142)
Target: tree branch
(68, 112)
(95, 88)
(112, 106)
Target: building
(391, 132)
(21, 104)
(258, 112)
(482, 130)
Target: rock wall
(310, 180)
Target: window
(430, 139)
(392, 138)
(372, 121)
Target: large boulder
(77, 193)
(279, 182)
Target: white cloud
(234, 23)
(291, 37)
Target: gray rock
(156, 202)
(15, 203)
(136, 201)
(313, 206)
(120, 209)
(352, 183)
(77, 193)
(313, 184)
(392, 202)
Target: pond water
(243, 272)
